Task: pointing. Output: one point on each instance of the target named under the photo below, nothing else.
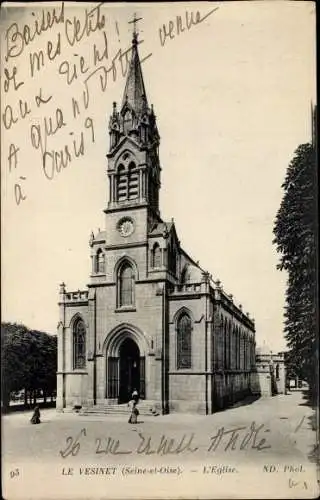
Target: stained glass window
(79, 345)
(225, 345)
(184, 350)
(126, 284)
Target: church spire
(135, 118)
(133, 158)
(134, 95)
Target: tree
(14, 353)
(29, 361)
(295, 231)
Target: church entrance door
(126, 372)
(130, 370)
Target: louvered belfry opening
(133, 182)
(127, 182)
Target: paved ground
(261, 450)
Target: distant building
(151, 318)
(271, 371)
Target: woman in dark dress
(35, 419)
(134, 412)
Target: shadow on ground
(248, 400)
(310, 399)
(314, 454)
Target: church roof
(134, 93)
(100, 236)
(194, 272)
(160, 227)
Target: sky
(232, 96)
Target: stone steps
(145, 408)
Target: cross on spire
(134, 94)
(134, 22)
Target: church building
(150, 319)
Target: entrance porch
(125, 373)
(127, 363)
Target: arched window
(225, 343)
(245, 350)
(100, 262)
(229, 344)
(233, 350)
(238, 349)
(79, 344)
(126, 285)
(184, 351)
(156, 256)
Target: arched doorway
(129, 369)
(125, 370)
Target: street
(259, 450)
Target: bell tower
(133, 157)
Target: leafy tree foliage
(295, 231)
(28, 360)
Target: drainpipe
(205, 276)
(63, 341)
(64, 400)
(215, 353)
(206, 345)
(164, 354)
(95, 351)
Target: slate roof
(160, 227)
(135, 93)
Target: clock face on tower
(125, 226)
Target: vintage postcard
(159, 295)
